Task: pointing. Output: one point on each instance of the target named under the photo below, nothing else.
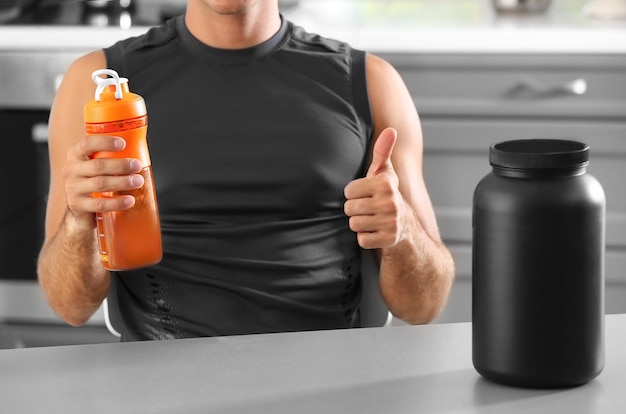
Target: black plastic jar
(538, 266)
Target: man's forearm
(416, 275)
(70, 273)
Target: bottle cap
(539, 154)
(113, 100)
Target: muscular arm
(69, 269)
(390, 208)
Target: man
(268, 157)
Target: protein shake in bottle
(129, 238)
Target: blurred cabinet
(32, 334)
(469, 101)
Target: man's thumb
(383, 147)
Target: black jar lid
(539, 154)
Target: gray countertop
(412, 26)
(408, 369)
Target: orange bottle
(130, 238)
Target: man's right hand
(84, 175)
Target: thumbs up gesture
(374, 203)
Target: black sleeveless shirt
(251, 150)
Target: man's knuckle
(98, 204)
(98, 165)
(99, 183)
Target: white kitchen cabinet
(469, 101)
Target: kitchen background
(477, 75)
